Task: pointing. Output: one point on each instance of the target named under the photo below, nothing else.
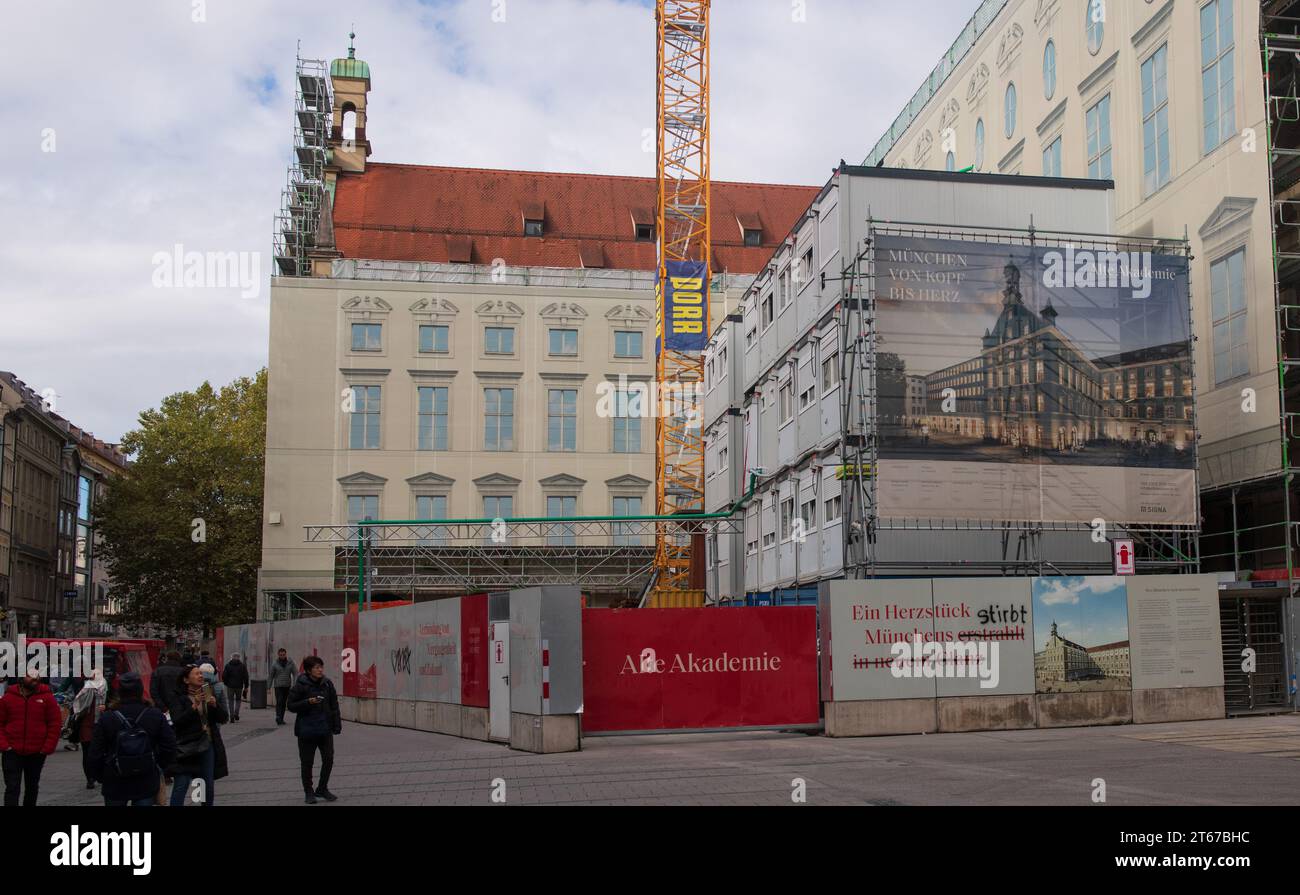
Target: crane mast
(684, 254)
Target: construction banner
(1033, 383)
(685, 298)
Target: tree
(182, 532)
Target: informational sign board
(994, 615)
(1081, 634)
(863, 620)
(1177, 642)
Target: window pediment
(500, 310)
(563, 312)
(366, 307)
(434, 309)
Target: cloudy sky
(135, 127)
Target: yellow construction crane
(683, 294)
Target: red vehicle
(120, 656)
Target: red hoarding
(689, 669)
(474, 650)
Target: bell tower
(349, 145)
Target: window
(433, 419)
(645, 233)
(950, 163)
(434, 339)
(1049, 70)
(499, 419)
(561, 508)
(564, 342)
(562, 419)
(428, 508)
(627, 422)
(832, 510)
(1009, 111)
(808, 513)
(364, 424)
(624, 534)
(363, 507)
(785, 288)
(499, 340)
(979, 144)
(1096, 25)
(767, 312)
(1216, 72)
(497, 507)
(1228, 306)
(1052, 159)
(1155, 121)
(367, 337)
(831, 372)
(806, 267)
(807, 397)
(1098, 121)
(532, 228)
(753, 238)
(627, 344)
(785, 401)
(787, 518)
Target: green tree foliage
(183, 530)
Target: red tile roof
(408, 212)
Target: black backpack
(133, 756)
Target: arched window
(950, 164)
(349, 121)
(1010, 109)
(1049, 70)
(979, 145)
(1096, 25)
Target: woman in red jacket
(30, 721)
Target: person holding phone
(315, 702)
(196, 714)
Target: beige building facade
(1167, 100)
(465, 344)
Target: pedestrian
(86, 711)
(222, 693)
(281, 679)
(195, 713)
(30, 722)
(205, 659)
(129, 746)
(235, 677)
(163, 680)
(316, 704)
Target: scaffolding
(304, 198)
(1024, 545)
(613, 556)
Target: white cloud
(169, 131)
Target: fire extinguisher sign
(1125, 563)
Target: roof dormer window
(645, 232)
(753, 238)
(751, 229)
(534, 215)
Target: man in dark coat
(197, 716)
(235, 677)
(137, 789)
(280, 679)
(163, 681)
(30, 722)
(316, 703)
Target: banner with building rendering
(1032, 383)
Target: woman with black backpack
(129, 745)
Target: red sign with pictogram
(1125, 557)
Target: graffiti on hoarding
(401, 660)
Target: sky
(136, 130)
